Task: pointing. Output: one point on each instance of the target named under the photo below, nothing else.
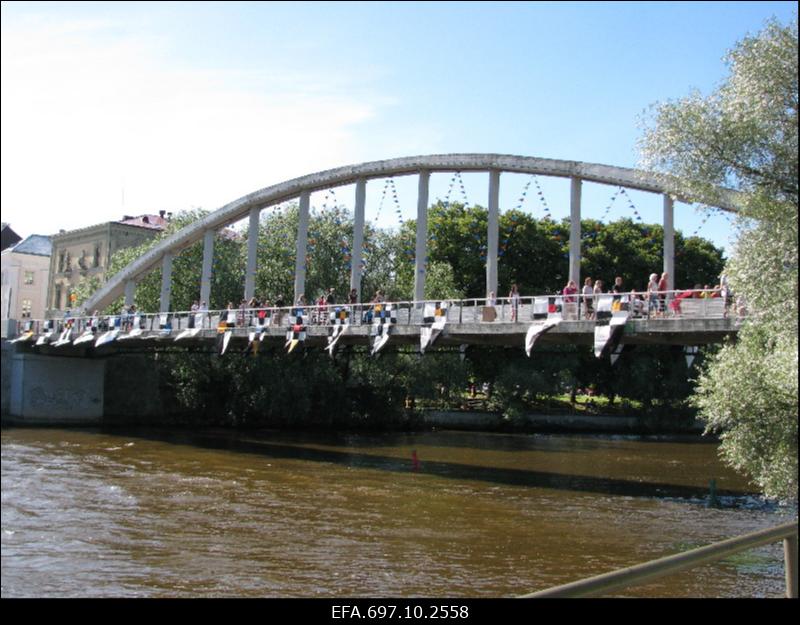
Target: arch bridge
(251, 205)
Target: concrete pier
(43, 390)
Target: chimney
(161, 213)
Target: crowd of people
(318, 310)
(657, 300)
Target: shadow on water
(497, 441)
(510, 477)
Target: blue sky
(124, 108)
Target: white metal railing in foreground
(698, 304)
(643, 573)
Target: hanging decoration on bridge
(611, 203)
(611, 315)
(384, 316)
(706, 217)
(297, 331)
(165, 324)
(536, 330)
(113, 325)
(227, 322)
(330, 195)
(547, 314)
(259, 321)
(456, 178)
(26, 334)
(508, 232)
(135, 330)
(690, 352)
(195, 324)
(344, 244)
(389, 184)
(631, 205)
(254, 338)
(710, 211)
(48, 329)
(616, 353)
(339, 325)
(66, 333)
(435, 315)
(547, 214)
(89, 332)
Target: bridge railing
(655, 569)
(699, 304)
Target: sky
(112, 109)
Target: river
(171, 513)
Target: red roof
(154, 222)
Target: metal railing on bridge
(697, 304)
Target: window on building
(26, 308)
(57, 297)
(28, 277)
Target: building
(86, 253)
(25, 270)
(8, 237)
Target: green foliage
(84, 289)
(227, 269)
(752, 401)
(744, 136)
(534, 253)
(268, 391)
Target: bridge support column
(130, 293)
(669, 241)
(358, 236)
(52, 390)
(166, 281)
(252, 255)
(493, 232)
(208, 263)
(301, 246)
(421, 260)
(575, 231)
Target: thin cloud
(88, 110)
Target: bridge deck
(694, 322)
(636, 332)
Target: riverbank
(425, 419)
(140, 390)
(578, 423)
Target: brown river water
(170, 513)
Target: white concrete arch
(250, 206)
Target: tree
(227, 275)
(84, 289)
(744, 136)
